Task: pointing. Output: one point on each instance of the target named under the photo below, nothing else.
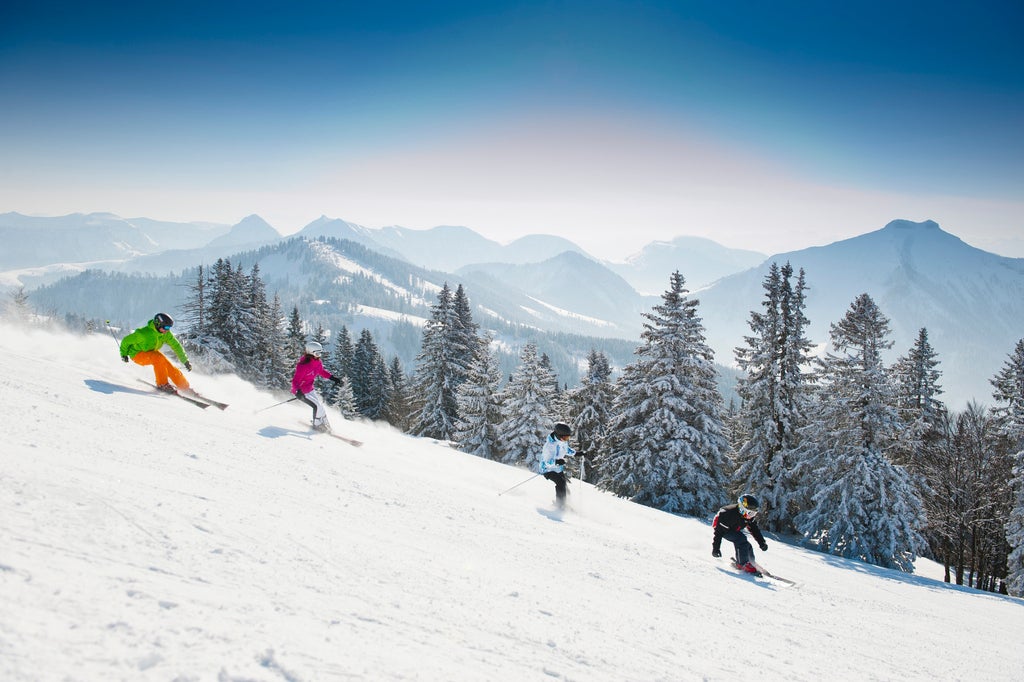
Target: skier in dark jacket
(729, 524)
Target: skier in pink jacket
(307, 370)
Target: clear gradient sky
(769, 126)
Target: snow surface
(142, 538)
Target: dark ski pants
(559, 478)
(744, 552)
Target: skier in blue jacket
(552, 460)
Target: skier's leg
(319, 411)
(176, 376)
(155, 359)
(744, 552)
(305, 398)
(558, 479)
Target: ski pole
(112, 335)
(518, 484)
(274, 405)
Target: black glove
(584, 455)
(299, 394)
(336, 380)
(763, 546)
(124, 358)
(559, 461)
(188, 365)
(717, 553)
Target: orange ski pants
(162, 367)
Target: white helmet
(314, 348)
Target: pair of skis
(762, 573)
(191, 397)
(351, 441)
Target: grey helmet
(314, 348)
(163, 321)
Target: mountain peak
(911, 225)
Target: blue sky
(768, 126)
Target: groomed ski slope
(142, 538)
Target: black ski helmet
(748, 505)
(562, 429)
(163, 321)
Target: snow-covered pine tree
(526, 409)
(1009, 394)
(666, 448)
(916, 381)
(591, 404)
(479, 402)
(204, 348)
(296, 335)
(448, 345)
(775, 393)
(279, 369)
(400, 406)
(862, 506)
(344, 399)
(339, 363)
(371, 383)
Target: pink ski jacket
(306, 372)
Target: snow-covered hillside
(142, 538)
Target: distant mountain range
(45, 249)
(971, 301)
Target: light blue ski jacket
(554, 449)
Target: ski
(762, 573)
(351, 441)
(779, 578)
(197, 403)
(209, 401)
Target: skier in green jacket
(143, 347)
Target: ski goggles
(748, 513)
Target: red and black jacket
(730, 519)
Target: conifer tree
(345, 400)
(775, 396)
(1008, 392)
(862, 506)
(279, 370)
(591, 405)
(400, 406)
(916, 380)
(203, 346)
(449, 343)
(296, 336)
(478, 429)
(526, 409)
(370, 380)
(666, 448)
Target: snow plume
(142, 538)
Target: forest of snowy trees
(856, 458)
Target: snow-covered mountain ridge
(142, 538)
(971, 301)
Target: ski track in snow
(144, 539)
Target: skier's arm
(176, 347)
(756, 532)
